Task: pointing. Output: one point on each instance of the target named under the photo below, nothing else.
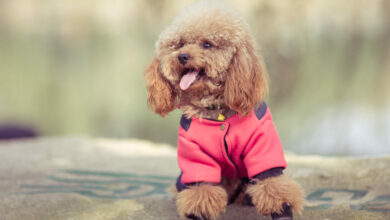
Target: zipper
(227, 150)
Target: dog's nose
(183, 58)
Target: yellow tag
(221, 117)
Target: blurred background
(76, 68)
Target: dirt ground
(80, 178)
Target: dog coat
(235, 148)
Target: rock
(77, 178)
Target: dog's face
(197, 61)
(206, 51)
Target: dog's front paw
(285, 215)
(276, 195)
(194, 217)
(201, 202)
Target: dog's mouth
(190, 76)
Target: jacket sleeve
(264, 150)
(196, 165)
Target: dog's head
(208, 49)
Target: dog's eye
(180, 45)
(207, 45)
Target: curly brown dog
(206, 64)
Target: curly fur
(161, 97)
(269, 195)
(234, 73)
(205, 201)
(234, 79)
(230, 185)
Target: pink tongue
(188, 79)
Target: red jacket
(236, 147)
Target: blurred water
(75, 67)
(353, 130)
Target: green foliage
(76, 67)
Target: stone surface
(79, 178)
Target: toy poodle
(229, 151)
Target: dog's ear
(161, 97)
(246, 82)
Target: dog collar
(212, 107)
(221, 117)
